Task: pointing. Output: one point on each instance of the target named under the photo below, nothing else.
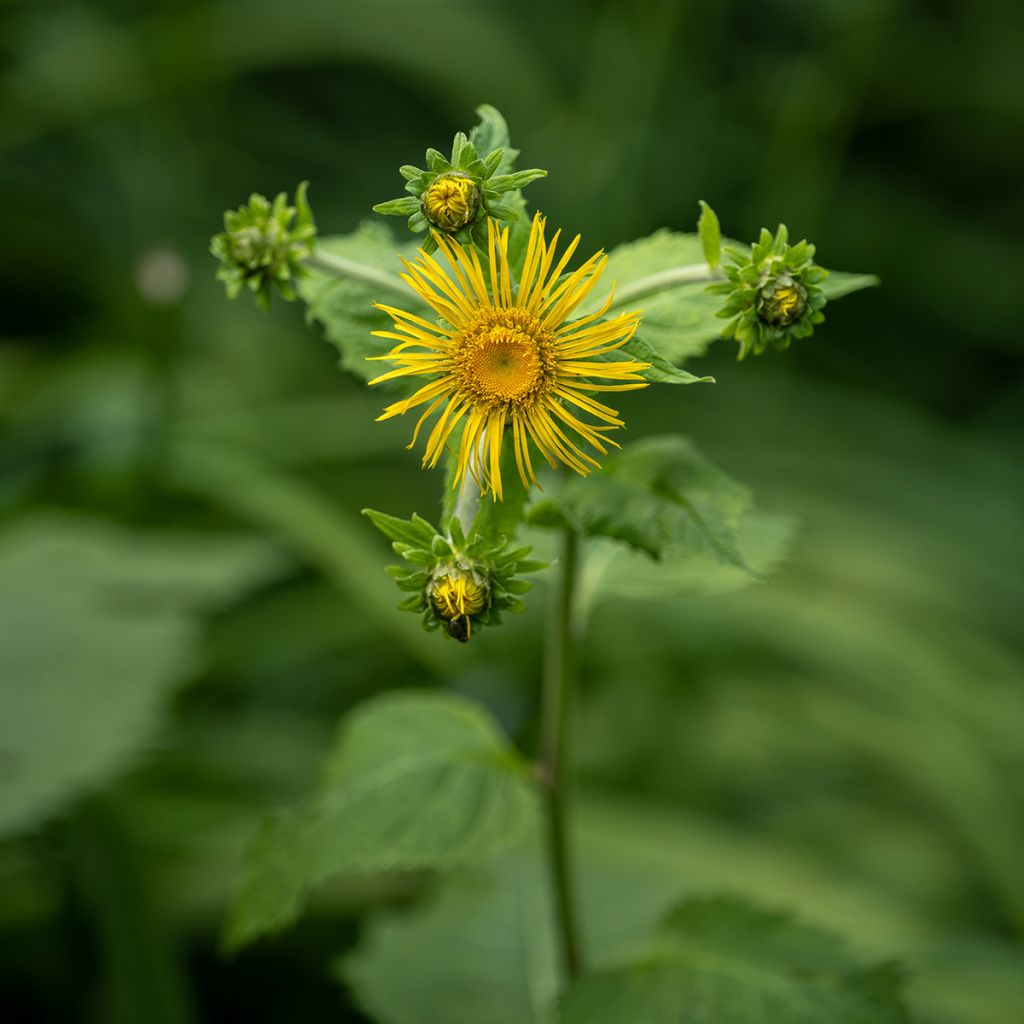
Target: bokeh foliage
(844, 740)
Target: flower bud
(457, 595)
(262, 249)
(456, 194)
(781, 300)
(772, 292)
(458, 583)
(451, 201)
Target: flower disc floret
(781, 300)
(509, 359)
(505, 357)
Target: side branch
(341, 266)
(673, 277)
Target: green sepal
(400, 207)
(710, 232)
(416, 532)
(516, 180)
(436, 161)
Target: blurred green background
(189, 599)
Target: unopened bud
(781, 300)
(456, 597)
(451, 201)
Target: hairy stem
(671, 278)
(558, 677)
(466, 505)
(340, 266)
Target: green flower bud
(453, 583)
(781, 300)
(773, 293)
(263, 246)
(457, 194)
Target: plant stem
(558, 676)
(671, 278)
(340, 266)
(466, 505)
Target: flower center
(453, 598)
(787, 300)
(451, 200)
(504, 358)
(781, 301)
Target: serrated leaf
(415, 781)
(724, 961)
(344, 306)
(615, 571)
(99, 623)
(661, 496)
(482, 950)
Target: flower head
(509, 359)
(451, 200)
(262, 249)
(774, 293)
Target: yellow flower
(503, 357)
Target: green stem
(673, 277)
(558, 676)
(467, 504)
(341, 266)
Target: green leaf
(680, 322)
(415, 781)
(838, 284)
(482, 950)
(344, 306)
(661, 371)
(615, 571)
(710, 234)
(661, 496)
(99, 624)
(492, 133)
(724, 961)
